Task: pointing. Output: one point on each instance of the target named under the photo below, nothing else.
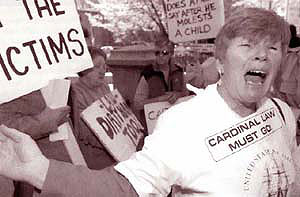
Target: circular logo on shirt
(269, 174)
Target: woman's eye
(246, 45)
(274, 48)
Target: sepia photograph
(150, 98)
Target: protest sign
(114, 124)
(64, 132)
(190, 20)
(40, 41)
(154, 110)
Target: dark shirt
(294, 42)
(157, 83)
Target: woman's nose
(261, 54)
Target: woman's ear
(220, 67)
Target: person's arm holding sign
(30, 115)
(162, 81)
(141, 97)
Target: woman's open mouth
(255, 77)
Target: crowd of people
(235, 137)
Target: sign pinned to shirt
(43, 41)
(243, 134)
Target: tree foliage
(130, 20)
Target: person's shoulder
(294, 50)
(283, 108)
(183, 107)
(188, 118)
(78, 90)
(195, 107)
(288, 118)
(77, 86)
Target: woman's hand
(170, 97)
(58, 116)
(20, 157)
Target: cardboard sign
(154, 110)
(40, 41)
(243, 134)
(190, 20)
(114, 124)
(57, 87)
(64, 132)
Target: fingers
(12, 134)
(63, 120)
(64, 114)
(64, 110)
(173, 98)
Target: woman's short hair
(94, 52)
(253, 24)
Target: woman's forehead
(257, 39)
(259, 36)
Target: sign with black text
(243, 134)
(40, 41)
(114, 124)
(190, 20)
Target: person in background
(295, 40)
(90, 87)
(287, 83)
(202, 75)
(162, 81)
(232, 140)
(29, 114)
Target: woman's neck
(238, 107)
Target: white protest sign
(190, 20)
(40, 41)
(243, 134)
(50, 93)
(154, 110)
(114, 124)
(56, 95)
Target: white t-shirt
(206, 149)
